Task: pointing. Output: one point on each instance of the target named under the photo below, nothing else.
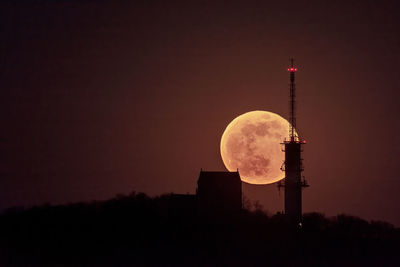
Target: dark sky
(106, 97)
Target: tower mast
(292, 112)
(293, 167)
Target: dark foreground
(137, 230)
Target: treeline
(139, 230)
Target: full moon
(251, 143)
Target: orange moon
(252, 144)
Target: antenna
(294, 182)
(292, 117)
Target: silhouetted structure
(219, 193)
(293, 166)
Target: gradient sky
(106, 97)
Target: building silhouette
(219, 193)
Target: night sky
(105, 97)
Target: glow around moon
(252, 144)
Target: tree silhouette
(137, 229)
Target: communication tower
(293, 166)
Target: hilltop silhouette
(139, 230)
